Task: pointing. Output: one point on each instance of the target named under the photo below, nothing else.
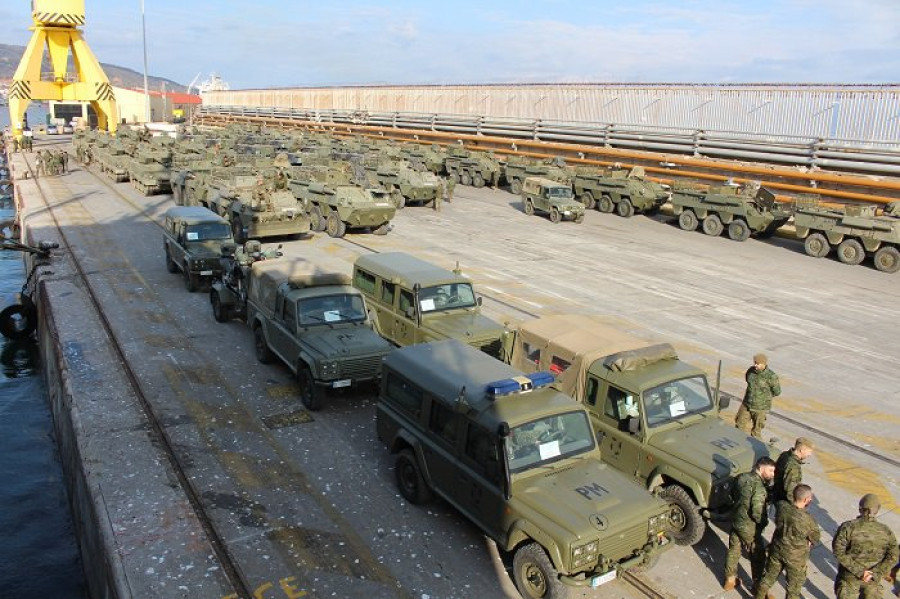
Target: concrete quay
(195, 472)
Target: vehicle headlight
(658, 523)
(585, 554)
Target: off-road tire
(624, 208)
(887, 259)
(171, 265)
(310, 395)
(409, 478)
(515, 186)
(580, 218)
(712, 225)
(477, 180)
(851, 251)
(816, 245)
(263, 353)
(398, 199)
(334, 226)
(220, 313)
(555, 216)
(382, 230)
(606, 204)
(738, 230)
(588, 200)
(534, 574)
(687, 220)
(465, 178)
(529, 207)
(191, 281)
(687, 525)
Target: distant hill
(119, 76)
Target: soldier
(762, 387)
(795, 534)
(65, 161)
(15, 143)
(788, 471)
(748, 519)
(451, 187)
(865, 550)
(39, 164)
(439, 195)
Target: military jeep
(192, 239)
(520, 461)
(415, 301)
(654, 414)
(551, 197)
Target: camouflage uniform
(451, 187)
(788, 474)
(439, 194)
(795, 534)
(859, 545)
(747, 523)
(762, 386)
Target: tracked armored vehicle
(150, 170)
(741, 210)
(853, 232)
(624, 191)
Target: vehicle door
(283, 330)
(477, 488)
(179, 254)
(406, 325)
(616, 416)
(443, 438)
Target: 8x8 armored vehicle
(624, 191)
(744, 210)
(855, 232)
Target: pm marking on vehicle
(596, 490)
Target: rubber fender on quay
(18, 320)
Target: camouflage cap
(760, 359)
(870, 502)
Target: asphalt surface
(307, 502)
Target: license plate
(341, 383)
(608, 577)
(205, 273)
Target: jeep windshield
(331, 309)
(673, 400)
(546, 440)
(207, 232)
(559, 192)
(446, 297)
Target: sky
(281, 43)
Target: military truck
(746, 209)
(517, 169)
(255, 208)
(192, 240)
(309, 317)
(414, 301)
(471, 167)
(855, 231)
(335, 204)
(404, 184)
(150, 170)
(624, 191)
(654, 414)
(518, 460)
(552, 198)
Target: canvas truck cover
(267, 275)
(581, 340)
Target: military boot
(731, 583)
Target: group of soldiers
(23, 141)
(51, 162)
(444, 193)
(866, 550)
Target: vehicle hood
(463, 325)
(587, 497)
(712, 446)
(344, 341)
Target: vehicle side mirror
(724, 402)
(411, 313)
(634, 425)
(479, 300)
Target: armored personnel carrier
(854, 231)
(744, 210)
(150, 170)
(517, 169)
(404, 184)
(335, 204)
(427, 158)
(472, 168)
(625, 191)
(256, 206)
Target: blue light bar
(541, 379)
(519, 384)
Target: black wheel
(687, 220)
(588, 200)
(382, 230)
(310, 394)
(606, 204)
(887, 259)
(398, 199)
(580, 218)
(334, 226)
(555, 216)
(687, 525)
(477, 180)
(738, 230)
(316, 220)
(220, 313)
(170, 264)
(624, 208)
(535, 576)
(712, 225)
(529, 207)
(409, 478)
(515, 186)
(263, 353)
(19, 320)
(237, 231)
(465, 178)
(851, 251)
(191, 281)
(454, 176)
(816, 245)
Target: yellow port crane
(55, 28)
